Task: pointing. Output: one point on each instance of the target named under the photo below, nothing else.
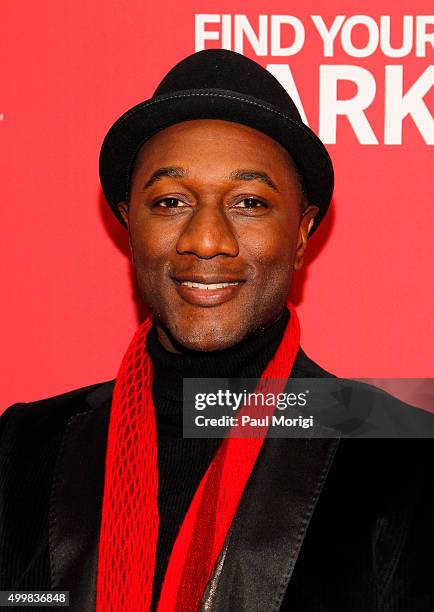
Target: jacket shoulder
(304, 367)
(31, 437)
(53, 411)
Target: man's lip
(200, 296)
(207, 280)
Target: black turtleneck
(183, 461)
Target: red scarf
(129, 526)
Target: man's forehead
(253, 155)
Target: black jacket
(323, 525)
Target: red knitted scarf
(129, 527)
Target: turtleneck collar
(247, 359)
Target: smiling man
(215, 240)
(219, 184)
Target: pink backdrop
(69, 69)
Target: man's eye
(251, 203)
(169, 203)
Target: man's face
(216, 226)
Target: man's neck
(246, 359)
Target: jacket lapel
(76, 502)
(269, 527)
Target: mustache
(212, 270)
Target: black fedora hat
(217, 84)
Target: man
(219, 184)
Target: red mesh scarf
(129, 526)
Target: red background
(67, 71)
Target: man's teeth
(208, 285)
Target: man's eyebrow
(236, 175)
(172, 171)
(252, 175)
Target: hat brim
(136, 126)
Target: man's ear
(305, 226)
(123, 208)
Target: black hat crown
(226, 70)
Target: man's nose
(208, 233)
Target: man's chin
(179, 340)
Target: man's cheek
(155, 284)
(277, 279)
(268, 246)
(276, 264)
